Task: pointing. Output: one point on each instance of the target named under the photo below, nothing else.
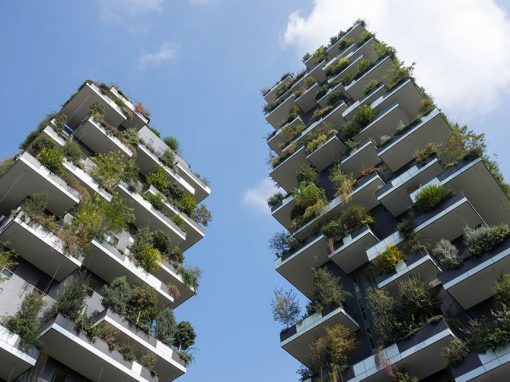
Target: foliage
(156, 200)
(360, 120)
(172, 143)
(7, 257)
(191, 276)
(178, 220)
(293, 114)
(321, 112)
(502, 290)
(398, 73)
(72, 151)
(165, 326)
(168, 158)
(307, 173)
(386, 261)
(285, 307)
(289, 132)
(353, 217)
(52, 158)
(431, 196)
(25, 322)
(110, 168)
(130, 136)
(187, 204)
(370, 86)
(287, 152)
(97, 111)
(337, 66)
(320, 54)
(159, 179)
(365, 36)
(149, 360)
(144, 252)
(71, 299)
(327, 291)
(315, 143)
(202, 215)
(406, 228)
(275, 199)
(455, 352)
(382, 49)
(343, 182)
(184, 336)
(142, 306)
(281, 242)
(309, 202)
(363, 66)
(463, 142)
(5, 165)
(484, 239)
(403, 376)
(447, 254)
(116, 295)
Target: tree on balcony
(285, 307)
(328, 291)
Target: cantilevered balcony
(28, 176)
(147, 161)
(447, 221)
(493, 365)
(354, 34)
(386, 123)
(277, 140)
(420, 356)
(421, 265)
(295, 266)
(478, 184)
(357, 87)
(364, 156)
(285, 173)
(271, 95)
(363, 193)
(474, 281)
(395, 194)
(77, 109)
(49, 132)
(93, 360)
(148, 216)
(99, 139)
(13, 360)
(327, 153)
(306, 101)
(350, 253)
(431, 128)
(336, 89)
(348, 113)
(135, 119)
(86, 180)
(406, 94)
(38, 246)
(168, 365)
(108, 262)
(298, 339)
(182, 168)
(350, 71)
(194, 231)
(281, 112)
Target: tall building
(395, 224)
(97, 211)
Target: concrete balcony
(28, 176)
(285, 173)
(93, 360)
(354, 33)
(350, 253)
(431, 128)
(363, 193)
(78, 107)
(295, 266)
(350, 70)
(447, 221)
(474, 281)
(421, 265)
(148, 216)
(135, 120)
(407, 95)
(86, 180)
(280, 113)
(493, 365)
(13, 360)
(194, 231)
(364, 156)
(38, 246)
(99, 139)
(297, 339)
(270, 96)
(276, 141)
(385, 124)
(169, 365)
(395, 194)
(306, 101)
(327, 153)
(419, 355)
(337, 89)
(349, 113)
(356, 88)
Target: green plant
(327, 291)
(191, 276)
(116, 295)
(130, 136)
(178, 221)
(447, 254)
(309, 202)
(403, 376)
(7, 257)
(184, 336)
(370, 86)
(353, 217)
(406, 228)
(165, 326)
(382, 49)
(275, 199)
(398, 73)
(73, 152)
(462, 143)
(172, 143)
(142, 306)
(320, 54)
(484, 239)
(347, 79)
(144, 252)
(360, 120)
(285, 307)
(502, 290)
(168, 158)
(293, 114)
(160, 179)
(5, 165)
(431, 196)
(109, 168)
(289, 132)
(363, 66)
(202, 215)
(307, 173)
(97, 111)
(156, 200)
(281, 242)
(25, 322)
(315, 143)
(187, 204)
(342, 182)
(455, 352)
(71, 299)
(337, 66)
(386, 261)
(52, 158)
(321, 112)
(149, 360)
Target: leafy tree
(165, 326)
(159, 179)
(184, 335)
(202, 215)
(26, 322)
(327, 291)
(281, 242)
(172, 143)
(142, 306)
(285, 307)
(71, 300)
(117, 295)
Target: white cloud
(165, 53)
(460, 46)
(257, 197)
(117, 11)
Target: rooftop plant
(320, 54)
(431, 196)
(285, 307)
(484, 239)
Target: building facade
(97, 211)
(396, 224)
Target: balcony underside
(365, 156)
(357, 87)
(407, 95)
(279, 114)
(351, 254)
(307, 100)
(13, 361)
(97, 139)
(285, 173)
(384, 125)
(327, 153)
(493, 365)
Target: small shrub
(397, 74)
(172, 143)
(156, 201)
(71, 300)
(191, 276)
(309, 202)
(130, 136)
(202, 215)
(347, 79)
(406, 228)
(447, 254)
(165, 326)
(321, 112)
(327, 291)
(285, 307)
(455, 352)
(149, 360)
(184, 336)
(73, 151)
(281, 242)
(178, 221)
(275, 199)
(484, 239)
(343, 182)
(289, 132)
(25, 322)
(97, 111)
(431, 196)
(363, 66)
(116, 295)
(110, 168)
(52, 159)
(337, 66)
(159, 179)
(360, 120)
(293, 114)
(502, 290)
(307, 173)
(371, 86)
(315, 143)
(187, 204)
(403, 376)
(386, 261)
(382, 49)
(168, 158)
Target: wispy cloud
(257, 197)
(165, 53)
(118, 11)
(460, 47)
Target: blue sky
(199, 65)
